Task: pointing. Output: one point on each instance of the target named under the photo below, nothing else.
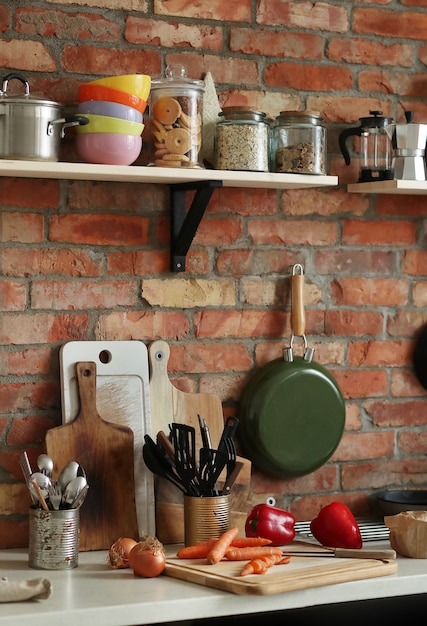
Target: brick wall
(90, 260)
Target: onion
(118, 555)
(147, 558)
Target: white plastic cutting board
(122, 397)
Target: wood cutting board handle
(87, 391)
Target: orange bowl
(137, 84)
(89, 91)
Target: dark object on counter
(419, 357)
(31, 128)
(375, 147)
(292, 412)
(395, 502)
(271, 523)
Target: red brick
(405, 25)
(155, 32)
(64, 25)
(68, 294)
(345, 260)
(4, 19)
(43, 328)
(142, 325)
(403, 414)
(13, 296)
(352, 50)
(291, 232)
(412, 443)
(361, 383)
(361, 446)
(354, 323)
(392, 82)
(319, 202)
(216, 9)
(22, 227)
(32, 56)
(28, 361)
(370, 291)
(376, 474)
(270, 43)
(224, 68)
(58, 261)
(308, 77)
(14, 533)
(379, 233)
(413, 206)
(195, 357)
(109, 61)
(29, 430)
(99, 229)
(414, 262)
(379, 353)
(25, 396)
(249, 261)
(319, 16)
(346, 109)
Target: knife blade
(347, 553)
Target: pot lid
(376, 121)
(26, 98)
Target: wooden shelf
(408, 187)
(143, 174)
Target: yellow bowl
(137, 84)
(106, 124)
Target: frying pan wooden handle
(297, 305)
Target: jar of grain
(242, 140)
(176, 114)
(299, 143)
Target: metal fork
(55, 495)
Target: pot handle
(67, 122)
(298, 312)
(9, 77)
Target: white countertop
(94, 593)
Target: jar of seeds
(299, 143)
(176, 114)
(242, 140)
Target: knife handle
(365, 554)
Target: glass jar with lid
(176, 117)
(299, 143)
(242, 140)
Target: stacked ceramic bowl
(114, 107)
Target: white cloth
(33, 589)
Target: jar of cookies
(176, 113)
(299, 143)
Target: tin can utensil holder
(205, 518)
(53, 539)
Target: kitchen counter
(94, 593)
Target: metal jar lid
(299, 117)
(242, 113)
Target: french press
(375, 147)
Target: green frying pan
(292, 412)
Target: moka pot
(409, 146)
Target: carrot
(285, 560)
(260, 565)
(252, 552)
(246, 542)
(201, 549)
(221, 546)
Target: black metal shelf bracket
(184, 224)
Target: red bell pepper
(271, 523)
(336, 527)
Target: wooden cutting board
(122, 397)
(300, 573)
(105, 451)
(168, 404)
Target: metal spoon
(68, 473)
(73, 489)
(45, 464)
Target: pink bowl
(108, 148)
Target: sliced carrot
(201, 549)
(221, 546)
(251, 552)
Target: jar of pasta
(176, 113)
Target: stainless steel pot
(31, 128)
